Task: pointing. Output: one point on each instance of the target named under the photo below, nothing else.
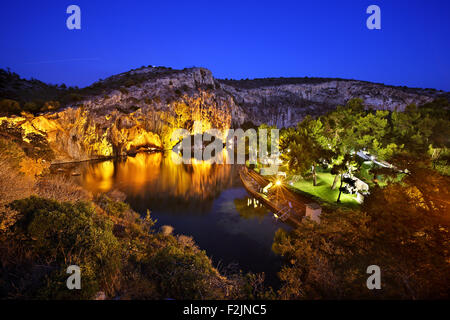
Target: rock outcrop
(285, 104)
(77, 135)
(138, 110)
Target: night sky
(234, 39)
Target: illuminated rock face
(77, 135)
(284, 105)
(140, 109)
(82, 133)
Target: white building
(313, 211)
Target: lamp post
(277, 184)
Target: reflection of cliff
(134, 172)
(155, 181)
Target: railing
(251, 183)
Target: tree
(410, 227)
(303, 147)
(269, 134)
(326, 260)
(9, 106)
(403, 228)
(350, 129)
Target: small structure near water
(313, 211)
(285, 205)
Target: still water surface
(203, 200)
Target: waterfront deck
(285, 205)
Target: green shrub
(9, 106)
(113, 208)
(58, 234)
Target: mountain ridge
(327, 89)
(139, 109)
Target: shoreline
(105, 158)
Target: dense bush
(117, 251)
(402, 228)
(9, 106)
(54, 235)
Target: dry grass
(13, 184)
(187, 241)
(116, 195)
(61, 189)
(166, 230)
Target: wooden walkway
(285, 205)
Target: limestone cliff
(139, 109)
(77, 134)
(285, 101)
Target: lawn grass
(323, 190)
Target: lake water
(203, 200)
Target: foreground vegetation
(403, 224)
(403, 228)
(48, 223)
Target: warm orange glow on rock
(85, 133)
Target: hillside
(139, 109)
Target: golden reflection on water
(202, 199)
(100, 177)
(158, 173)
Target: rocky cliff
(139, 109)
(285, 101)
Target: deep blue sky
(234, 39)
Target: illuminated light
(278, 183)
